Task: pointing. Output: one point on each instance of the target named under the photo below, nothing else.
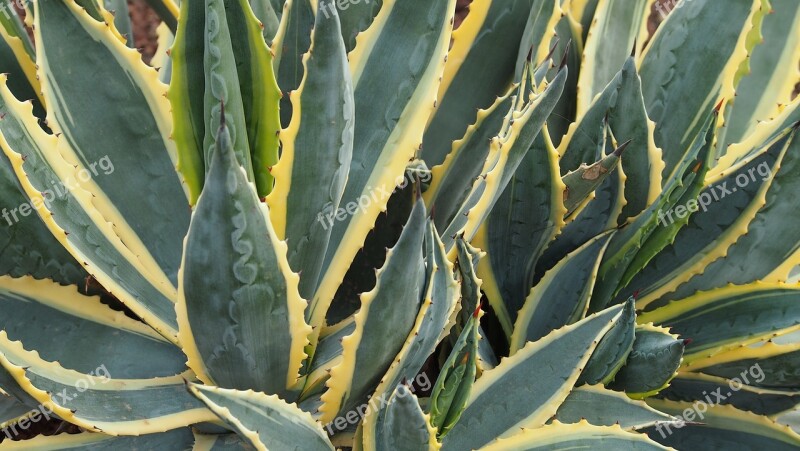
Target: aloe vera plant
(314, 224)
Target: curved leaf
(89, 333)
(528, 214)
(387, 315)
(400, 425)
(602, 407)
(69, 212)
(316, 154)
(721, 427)
(474, 65)
(728, 317)
(91, 441)
(98, 401)
(502, 400)
(239, 310)
(392, 101)
(689, 387)
(561, 297)
(267, 422)
(148, 212)
(651, 364)
(685, 70)
(575, 436)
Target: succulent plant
(315, 224)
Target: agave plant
(315, 224)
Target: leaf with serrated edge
(381, 149)
(267, 422)
(575, 436)
(555, 362)
(602, 407)
(239, 310)
(110, 405)
(374, 344)
(316, 154)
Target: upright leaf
(239, 310)
(396, 69)
(685, 70)
(316, 154)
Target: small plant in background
(344, 224)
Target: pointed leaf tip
(622, 147)
(566, 55)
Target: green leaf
(540, 28)
(615, 28)
(476, 66)
(583, 12)
(28, 247)
(224, 96)
(468, 258)
(528, 214)
(122, 19)
(441, 296)
(602, 407)
(740, 153)
(453, 179)
(720, 427)
(220, 442)
(686, 70)
(316, 154)
(507, 150)
(392, 103)
(613, 349)
(575, 436)
(561, 297)
(90, 441)
(582, 182)
(148, 213)
(18, 60)
(99, 401)
(689, 387)
(775, 364)
(290, 44)
(399, 425)
(11, 411)
(598, 216)
(239, 309)
(727, 317)
(269, 18)
(356, 17)
(652, 362)
(327, 354)
(89, 332)
(620, 104)
(567, 42)
(771, 243)
(454, 384)
(503, 400)
(771, 80)
(186, 95)
(235, 67)
(259, 91)
(70, 212)
(720, 222)
(267, 422)
(387, 316)
(13, 26)
(634, 246)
